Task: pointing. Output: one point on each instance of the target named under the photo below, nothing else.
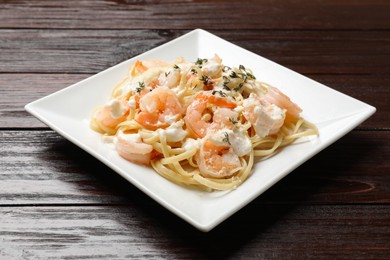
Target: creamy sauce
(190, 143)
(175, 132)
(131, 138)
(236, 139)
(211, 68)
(116, 108)
(132, 104)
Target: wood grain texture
(91, 51)
(207, 14)
(58, 202)
(17, 90)
(142, 231)
(40, 167)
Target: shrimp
(131, 148)
(266, 118)
(213, 67)
(170, 79)
(159, 108)
(110, 115)
(217, 161)
(197, 124)
(137, 69)
(275, 96)
(224, 118)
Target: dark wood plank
(173, 14)
(352, 170)
(56, 201)
(91, 51)
(19, 89)
(139, 232)
(40, 167)
(371, 89)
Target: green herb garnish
(200, 61)
(206, 80)
(226, 139)
(141, 86)
(234, 75)
(219, 92)
(233, 121)
(238, 88)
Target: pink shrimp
(197, 125)
(138, 68)
(266, 118)
(131, 148)
(159, 108)
(213, 67)
(224, 118)
(275, 96)
(217, 161)
(110, 115)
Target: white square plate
(68, 112)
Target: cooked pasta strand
(199, 124)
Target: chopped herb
(250, 75)
(246, 74)
(226, 68)
(176, 67)
(233, 121)
(226, 81)
(141, 86)
(193, 71)
(200, 61)
(225, 87)
(206, 80)
(226, 139)
(219, 92)
(167, 73)
(233, 75)
(239, 86)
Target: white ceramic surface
(68, 111)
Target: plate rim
(205, 226)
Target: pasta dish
(199, 124)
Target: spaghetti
(200, 124)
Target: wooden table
(57, 201)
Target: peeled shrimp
(196, 123)
(110, 115)
(217, 161)
(224, 118)
(213, 67)
(138, 68)
(131, 148)
(266, 118)
(159, 108)
(170, 79)
(275, 96)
